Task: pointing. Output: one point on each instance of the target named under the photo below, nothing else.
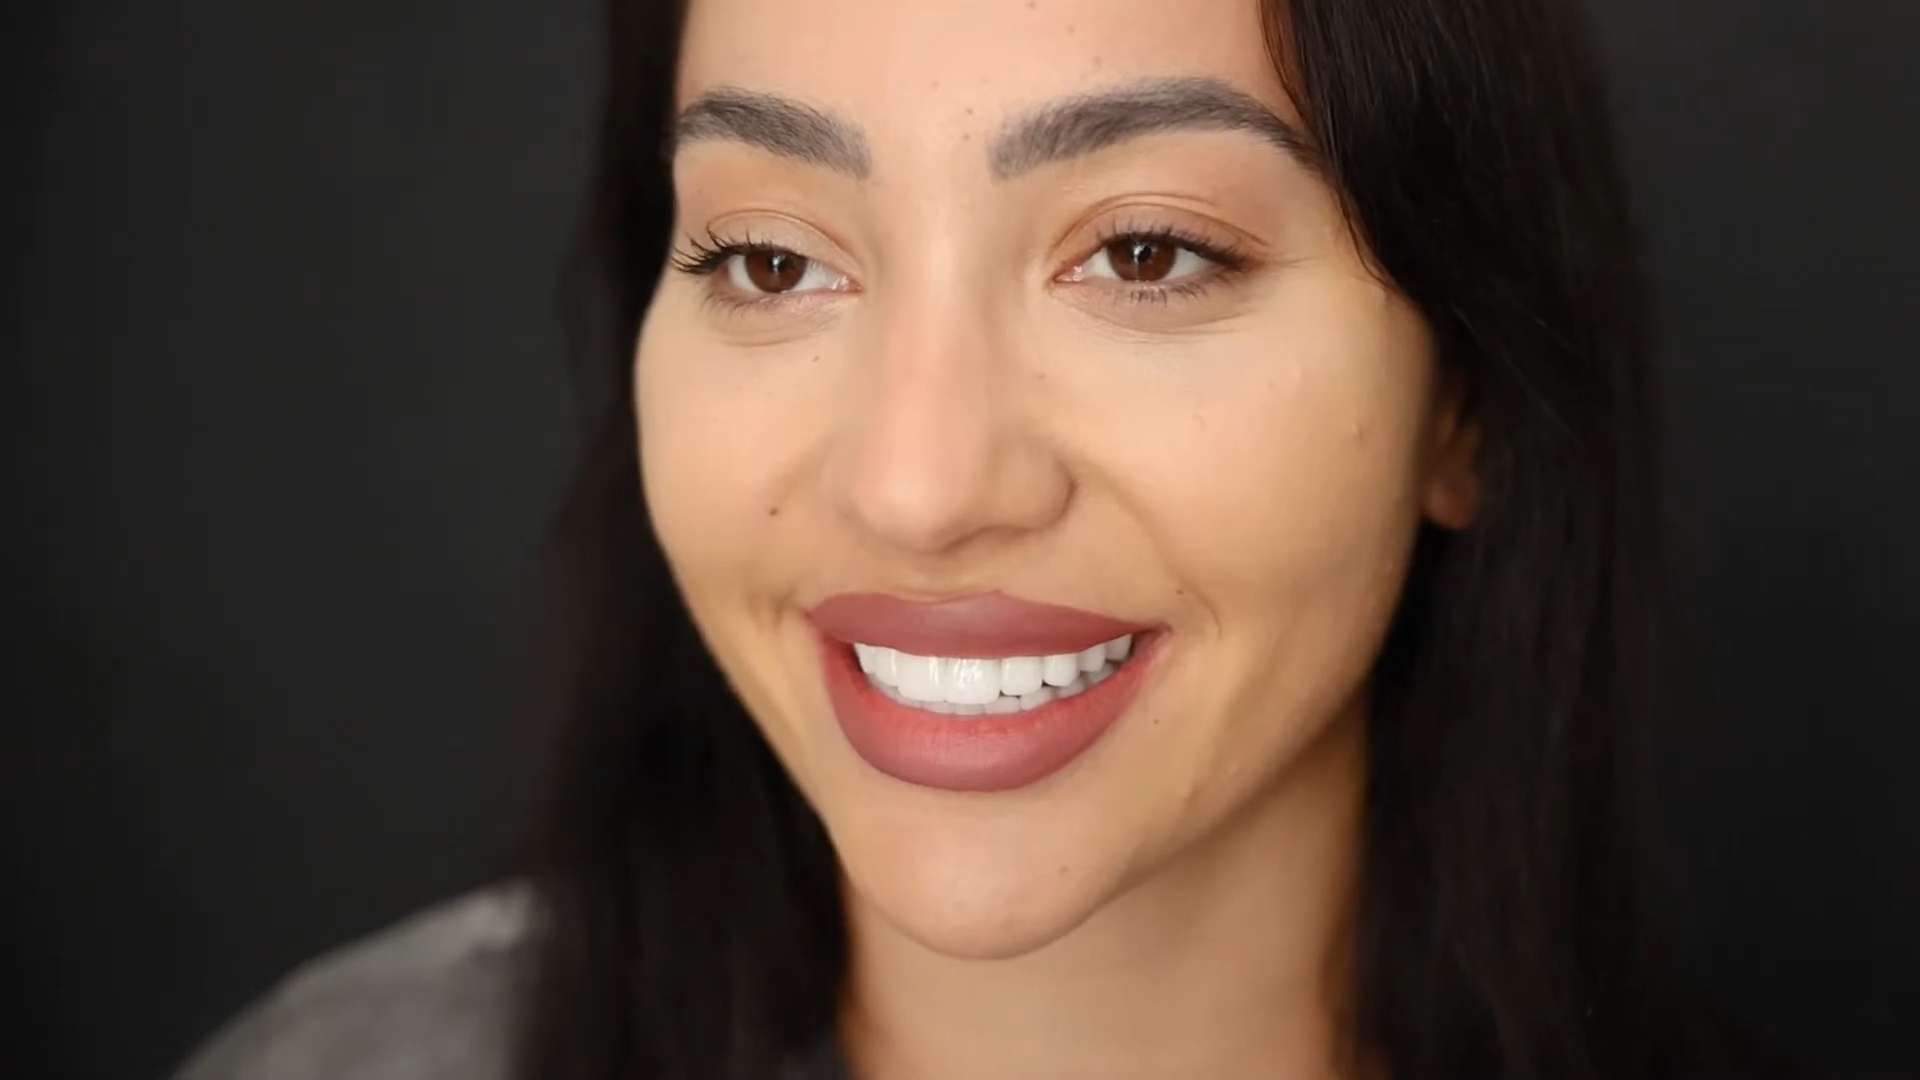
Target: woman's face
(1010, 302)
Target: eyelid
(767, 228)
(708, 265)
(1229, 248)
(1223, 260)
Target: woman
(1120, 545)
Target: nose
(935, 449)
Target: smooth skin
(951, 377)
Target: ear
(1452, 496)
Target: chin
(977, 887)
(1000, 920)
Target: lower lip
(976, 753)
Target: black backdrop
(286, 413)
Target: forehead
(939, 70)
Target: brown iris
(1135, 259)
(774, 271)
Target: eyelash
(705, 260)
(700, 260)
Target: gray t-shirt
(427, 999)
(430, 998)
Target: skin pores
(945, 383)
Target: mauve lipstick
(981, 753)
(984, 624)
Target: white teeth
(1020, 675)
(920, 678)
(1060, 670)
(880, 663)
(969, 686)
(1037, 698)
(971, 682)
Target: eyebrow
(776, 124)
(1087, 123)
(1055, 132)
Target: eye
(748, 271)
(1145, 260)
(1152, 259)
(770, 271)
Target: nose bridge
(933, 449)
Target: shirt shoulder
(430, 998)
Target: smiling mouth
(979, 693)
(975, 686)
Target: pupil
(775, 271)
(1143, 260)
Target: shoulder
(430, 998)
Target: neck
(1233, 961)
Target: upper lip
(984, 625)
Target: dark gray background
(286, 416)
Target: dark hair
(691, 924)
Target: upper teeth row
(970, 681)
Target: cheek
(1285, 470)
(716, 449)
(677, 446)
(1298, 493)
(718, 446)
(1281, 492)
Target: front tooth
(1020, 675)
(922, 678)
(886, 665)
(1060, 670)
(1119, 647)
(1093, 659)
(972, 682)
